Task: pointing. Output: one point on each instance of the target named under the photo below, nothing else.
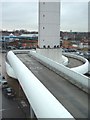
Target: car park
(78, 53)
(11, 47)
(21, 47)
(65, 50)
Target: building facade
(49, 31)
(49, 25)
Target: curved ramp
(82, 63)
(74, 77)
(37, 94)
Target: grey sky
(24, 15)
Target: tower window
(43, 27)
(48, 46)
(55, 46)
(44, 46)
(43, 3)
(43, 15)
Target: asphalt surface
(74, 62)
(72, 98)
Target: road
(74, 62)
(72, 98)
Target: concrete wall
(21, 51)
(89, 67)
(54, 54)
(80, 69)
(74, 77)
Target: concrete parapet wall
(74, 77)
(89, 67)
(21, 51)
(65, 60)
(80, 69)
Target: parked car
(9, 92)
(11, 47)
(81, 54)
(78, 53)
(65, 50)
(3, 82)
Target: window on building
(44, 46)
(43, 3)
(43, 27)
(57, 46)
(43, 15)
(48, 46)
(54, 46)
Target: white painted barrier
(80, 69)
(10, 71)
(21, 51)
(65, 60)
(44, 104)
(89, 67)
(76, 78)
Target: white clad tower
(49, 24)
(49, 30)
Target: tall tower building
(49, 30)
(49, 24)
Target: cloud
(44, 0)
(24, 1)
(18, 15)
(74, 16)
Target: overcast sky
(23, 14)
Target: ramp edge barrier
(44, 104)
(10, 71)
(82, 68)
(74, 77)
